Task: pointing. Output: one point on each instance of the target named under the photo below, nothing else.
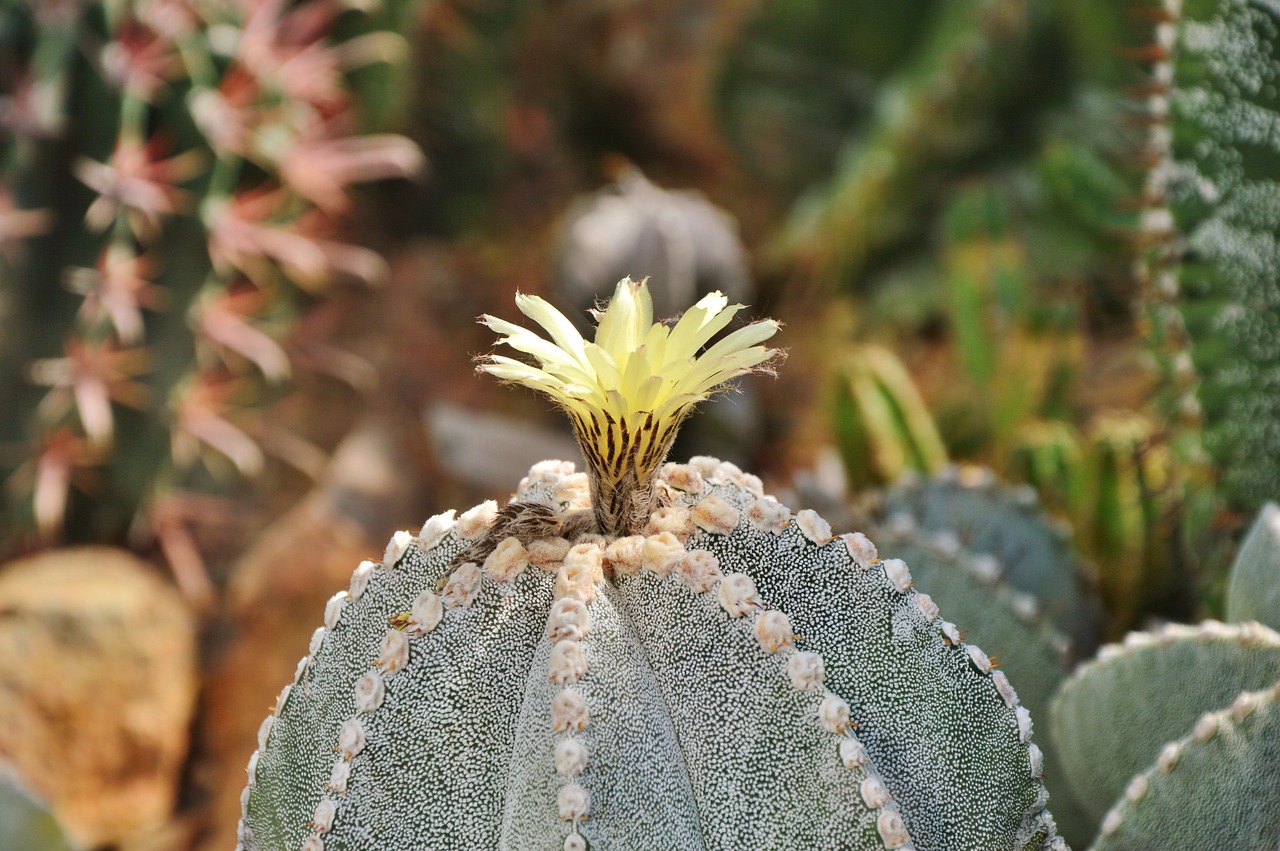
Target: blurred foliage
(882, 426)
(977, 178)
(989, 221)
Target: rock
(97, 687)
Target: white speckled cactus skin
(734, 678)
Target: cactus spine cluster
(727, 674)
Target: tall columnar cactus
(1209, 223)
(690, 667)
(170, 175)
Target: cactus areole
(645, 656)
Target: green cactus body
(1254, 592)
(1110, 720)
(1213, 201)
(1033, 557)
(24, 821)
(735, 677)
(1007, 623)
(1213, 788)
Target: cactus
(986, 284)
(1005, 622)
(1254, 592)
(1113, 717)
(24, 821)
(713, 673)
(1031, 555)
(883, 428)
(193, 163)
(678, 237)
(1012, 625)
(1209, 223)
(1015, 340)
(1215, 786)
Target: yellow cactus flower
(627, 392)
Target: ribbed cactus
(970, 542)
(1008, 624)
(1213, 788)
(1190, 766)
(175, 172)
(1211, 155)
(713, 673)
(1111, 719)
(1005, 529)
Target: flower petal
(555, 323)
(636, 373)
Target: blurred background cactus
(880, 421)
(174, 178)
(1210, 216)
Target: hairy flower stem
(622, 473)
